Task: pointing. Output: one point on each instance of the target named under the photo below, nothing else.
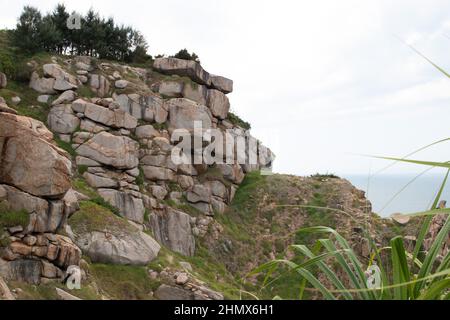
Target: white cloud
(328, 77)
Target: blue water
(417, 197)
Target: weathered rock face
(29, 161)
(61, 119)
(3, 80)
(129, 206)
(173, 229)
(40, 256)
(4, 107)
(194, 71)
(181, 67)
(183, 113)
(221, 83)
(114, 118)
(117, 151)
(128, 247)
(218, 103)
(100, 85)
(42, 85)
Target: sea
(400, 193)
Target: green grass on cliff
(94, 217)
(11, 218)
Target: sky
(321, 82)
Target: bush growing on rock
(185, 55)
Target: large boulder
(61, 119)
(173, 229)
(54, 70)
(183, 113)
(42, 85)
(106, 238)
(116, 151)
(218, 103)
(195, 92)
(182, 67)
(199, 193)
(65, 97)
(129, 206)
(29, 161)
(116, 118)
(221, 83)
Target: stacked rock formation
(35, 178)
(122, 140)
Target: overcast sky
(320, 81)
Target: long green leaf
(431, 256)
(400, 268)
(436, 290)
(427, 222)
(325, 269)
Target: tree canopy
(97, 36)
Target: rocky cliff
(96, 185)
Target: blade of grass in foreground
(427, 221)
(358, 276)
(431, 256)
(400, 268)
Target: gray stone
(117, 151)
(129, 206)
(195, 93)
(43, 98)
(221, 83)
(100, 182)
(114, 118)
(182, 67)
(158, 173)
(183, 113)
(15, 100)
(165, 292)
(65, 97)
(63, 85)
(173, 89)
(158, 192)
(218, 103)
(121, 84)
(173, 229)
(199, 193)
(61, 119)
(146, 132)
(127, 246)
(42, 85)
(29, 160)
(100, 85)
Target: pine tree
(26, 35)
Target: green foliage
(124, 282)
(237, 121)
(185, 55)
(82, 169)
(140, 178)
(11, 218)
(403, 275)
(67, 146)
(105, 204)
(97, 37)
(80, 185)
(96, 217)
